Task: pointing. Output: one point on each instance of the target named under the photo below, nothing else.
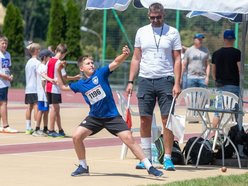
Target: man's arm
(184, 65)
(119, 59)
(177, 71)
(207, 72)
(238, 64)
(60, 81)
(134, 68)
(214, 72)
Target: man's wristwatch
(130, 82)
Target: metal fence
(118, 79)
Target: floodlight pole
(178, 19)
(236, 44)
(104, 35)
(85, 29)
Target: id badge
(157, 55)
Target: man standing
(157, 57)
(196, 64)
(226, 65)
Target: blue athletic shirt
(97, 93)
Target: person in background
(53, 91)
(5, 79)
(184, 75)
(43, 107)
(226, 67)
(157, 58)
(31, 97)
(196, 62)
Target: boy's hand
(53, 81)
(11, 77)
(62, 65)
(125, 50)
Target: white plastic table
(207, 122)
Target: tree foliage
(73, 35)
(35, 15)
(13, 30)
(73, 30)
(57, 26)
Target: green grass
(233, 180)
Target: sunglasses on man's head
(155, 17)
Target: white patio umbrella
(219, 6)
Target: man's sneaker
(168, 165)
(80, 171)
(155, 172)
(62, 133)
(1, 129)
(29, 131)
(9, 130)
(39, 133)
(55, 134)
(140, 165)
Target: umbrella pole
(242, 74)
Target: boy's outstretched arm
(119, 59)
(60, 81)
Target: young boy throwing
(103, 113)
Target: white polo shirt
(157, 44)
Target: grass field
(233, 180)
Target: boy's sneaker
(140, 165)
(55, 134)
(39, 133)
(62, 133)
(168, 165)
(80, 171)
(29, 131)
(8, 130)
(46, 132)
(155, 172)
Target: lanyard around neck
(157, 44)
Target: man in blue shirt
(103, 113)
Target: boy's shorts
(4, 94)
(31, 98)
(53, 98)
(113, 125)
(43, 106)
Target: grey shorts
(152, 90)
(113, 125)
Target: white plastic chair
(156, 130)
(194, 97)
(230, 101)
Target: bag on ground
(176, 156)
(238, 137)
(206, 154)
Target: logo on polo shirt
(95, 80)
